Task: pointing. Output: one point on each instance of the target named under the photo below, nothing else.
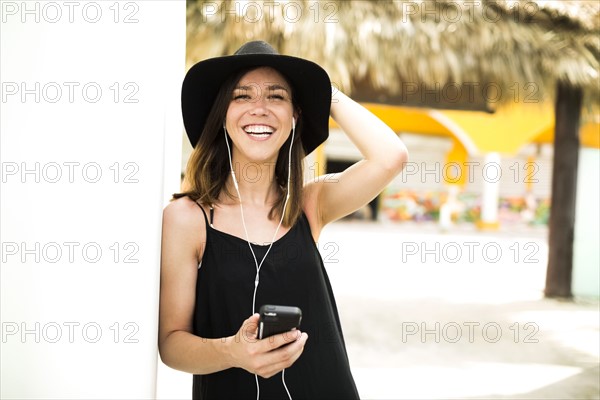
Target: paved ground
(452, 315)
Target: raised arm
(337, 195)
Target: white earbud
(258, 266)
(235, 184)
(235, 181)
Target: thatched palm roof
(379, 50)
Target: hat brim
(310, 82)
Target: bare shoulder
(181, 210)
(183, 224)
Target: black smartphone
(277, 319)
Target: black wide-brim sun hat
(310, 84)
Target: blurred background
(476, 272)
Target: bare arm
(183, 239)
(384, 155)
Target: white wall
(90, 108)
(586, 254)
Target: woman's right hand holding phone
(264, 357)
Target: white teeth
(258, 129)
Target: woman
(244, 232)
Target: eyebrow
(270, 87)
(277, 86)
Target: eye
(277, 94)
(241, 96)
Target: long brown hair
(208, 167)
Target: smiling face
(259, 117)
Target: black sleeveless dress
(292, 274)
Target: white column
(449, 207)
(89, 121)
(492, 173)
(586, 255)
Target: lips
(259, 132)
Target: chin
(261, 156)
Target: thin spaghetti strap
(204, 213)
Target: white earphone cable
(258, 266)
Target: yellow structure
(473, 132)
(479, 132)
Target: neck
(256, 182)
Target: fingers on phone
(289, 354)
(283, 356)
(291, 336)
(286, 338)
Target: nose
(259, 106)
